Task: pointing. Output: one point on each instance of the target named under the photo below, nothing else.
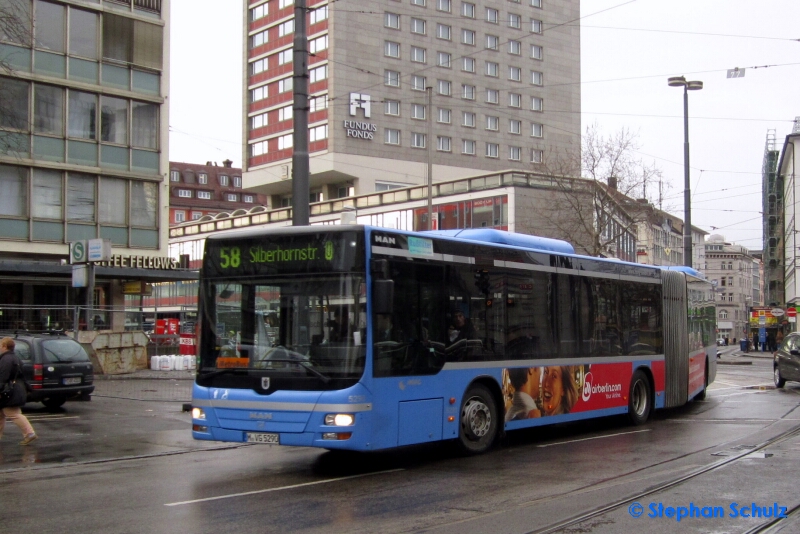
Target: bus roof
(685, 269)
(488, 235)
(478, 235)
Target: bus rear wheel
(640, 401)
(702, 394)
(479, 421)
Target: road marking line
(757, 388)
(739, 394)
(748, 401)
(595, 437)
(268, 490)
(726, 420)
(51, 417)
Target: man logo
(385, 239)
(264, 382)
(359, 100)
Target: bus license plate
(253, 437)
(72, 381)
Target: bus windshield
(307, 325)
(286, 308)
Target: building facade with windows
(774, 224)
(83, 143)
(659, 238)
(733, 272)
(789, 196)
(504, 92)
(197, 191)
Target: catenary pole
(300, 163)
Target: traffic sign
(791, 312)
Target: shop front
(44, 295)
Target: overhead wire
(474, 105)
(500, 44)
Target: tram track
(776, 525)
(766, 527)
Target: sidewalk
(732, 355)
(754, 354)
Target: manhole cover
(760, 455)
(734, 450)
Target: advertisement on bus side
(531, 392)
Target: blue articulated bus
(366, 338)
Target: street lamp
(680, 81)
(430, 158)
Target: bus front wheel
(639, 399)
(479, 421)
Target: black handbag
(7, 391)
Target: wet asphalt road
(120, 465)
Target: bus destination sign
(279, 254)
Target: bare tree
(15, 25)
(601, 194)
(15, 29)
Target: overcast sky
(628, 50)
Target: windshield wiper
(242, 370)
(225, 371)
(305, 365)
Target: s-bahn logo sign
(355, 128)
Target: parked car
(55, 366)
(786, 361)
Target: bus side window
(407, 341)
(467, 290)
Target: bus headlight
(198, 413)
(340, 419)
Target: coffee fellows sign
(141, 262)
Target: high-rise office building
(469, 87)
(83, 142)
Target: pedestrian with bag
(12, 392)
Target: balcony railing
(154, 6)
(149, 5)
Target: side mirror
(382, 296)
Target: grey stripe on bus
(453, 366)
(283, 406)
(590, 274)
(386, 251)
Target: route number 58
(230, 257)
